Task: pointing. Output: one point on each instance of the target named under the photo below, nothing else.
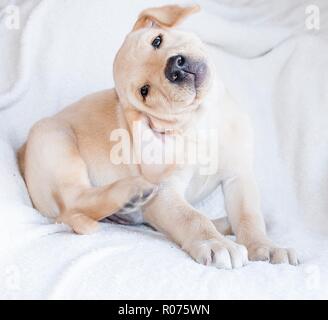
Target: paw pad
(138, 200)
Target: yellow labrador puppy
(165, 86)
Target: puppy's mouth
(180, 71)
(199, 72)
(171, 124)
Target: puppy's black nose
(174, 70)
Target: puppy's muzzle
(181, 70)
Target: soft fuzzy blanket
(273, 60)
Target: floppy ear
(164, 17)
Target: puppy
(166, 86)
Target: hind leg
(58, 181)
(90, 205)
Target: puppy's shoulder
(93, 110)
(100, 97)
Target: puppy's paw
(272, 254)
(221, 253)
(80, 223)
(141, 192)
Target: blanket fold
(271, 60)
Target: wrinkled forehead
(147, 33)
(138, 43)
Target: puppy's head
(160, 71)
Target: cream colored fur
(70, 177)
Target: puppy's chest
(196, 154)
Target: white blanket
(275, 67)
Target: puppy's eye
(144, 91)
(157, 41)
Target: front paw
(268, 252)
(221, 253)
